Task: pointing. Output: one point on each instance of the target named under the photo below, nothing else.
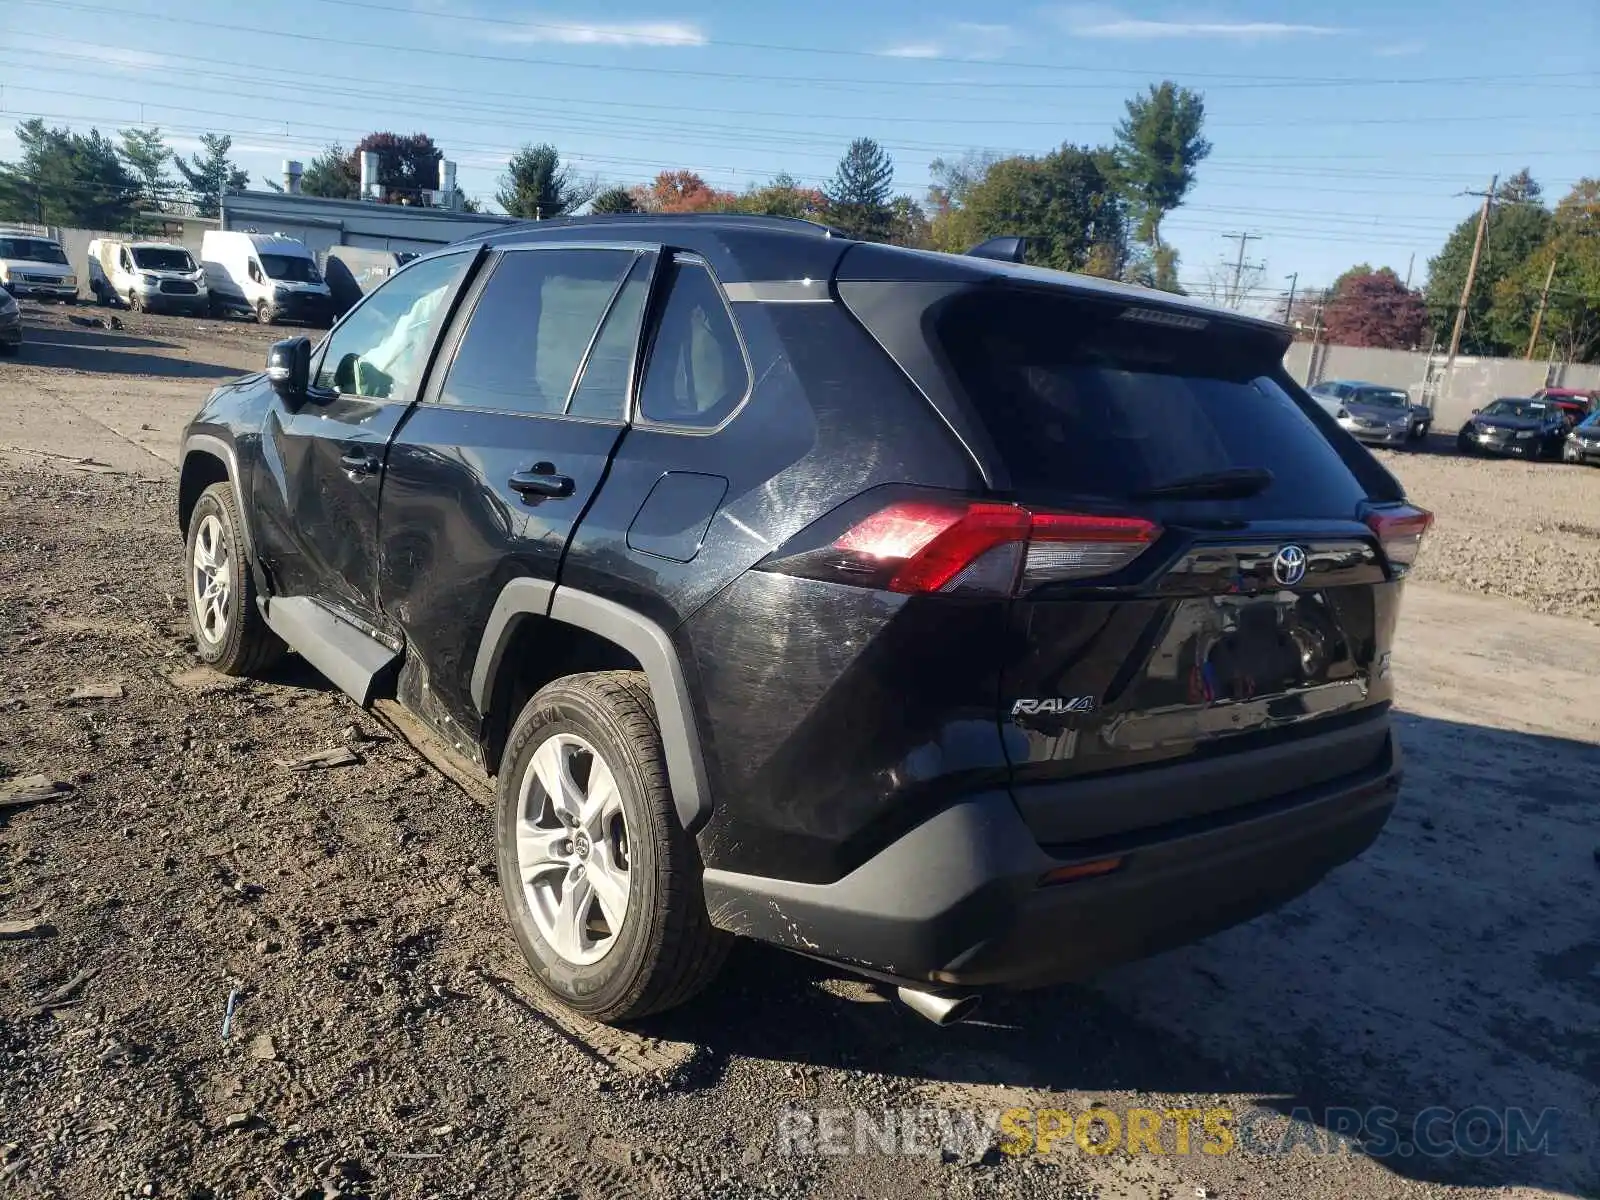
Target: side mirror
(289, 368)
(1474, 412)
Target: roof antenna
(1002, 249)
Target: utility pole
(1538, 317)
(1288, 309)
(1472, 270)
(1244, 239)
(1410, 262)
(1316, 338)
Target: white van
(32, 264)
(269, 275)
(147, 275)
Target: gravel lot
(383, 1040)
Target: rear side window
(697, 374)
(603, 390)
(1081, 401)
(531, 328)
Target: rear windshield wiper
(1236, 483)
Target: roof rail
(735, 220)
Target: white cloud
(601, 33)
(118, 58)
(1400, 49)
(1097, 22)
(972, 40)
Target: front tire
(263, 313)
(601, 881)
(230, 633)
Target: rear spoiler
(1003, 249)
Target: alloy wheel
(212, 579)
(572, 849)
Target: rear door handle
(358, 463)
(542, 481)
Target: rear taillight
(935, 546)
(1399, 529)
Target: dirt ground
(383, 1039)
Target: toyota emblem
(1289, 566)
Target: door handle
(358, 463)
(540, 482)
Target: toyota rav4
(964, 624)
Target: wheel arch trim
(215, 447)
(640, 637)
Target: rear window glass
(1081, 401)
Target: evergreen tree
(536, 185)
(211, 174)
(1158, 147)
(859, 193)
(147, 155)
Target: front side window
(1384, 398)
(531, 327)
(697, 375)
(381, 347)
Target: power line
(386, 95)
(435, 52)
(676, 40)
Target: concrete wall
(1469, 383)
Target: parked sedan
(1583, 443)
(1524, 428)
(1371, 412)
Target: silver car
(1371, 412)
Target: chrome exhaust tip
(941, 1010)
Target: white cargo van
(271, 276)
(147, 275)
(32, 264)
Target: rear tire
(230, 633)
(665, 948)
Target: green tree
(1153, 267)
(859, 193)
(909, 224)
(211, 174)
(1516, 230)
(333, 175)
(614, 200)
(536, 185)
(1158, 148)
(784, 197)
(65, 178)
(954, 179)
(147, 156)
(1571, 326)
(1067, 204)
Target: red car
(1575, 403)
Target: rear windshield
(1082, 401)
(31, 250)
(290, 267)
(151, 258)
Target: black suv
(963, 623)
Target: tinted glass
(163, 260)
(1082, 402)
(381, 347)
(1535, 409)
(31, 250)
(530, 328)
(290, 268)
(1383, 398)
(696, 375)
(603, 391)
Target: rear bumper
(957, 901)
